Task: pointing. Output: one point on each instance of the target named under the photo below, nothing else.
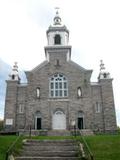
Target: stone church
(58, 93)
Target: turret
(57, 33)
(103, 73)
(14, 75)
(11, 99)
(108, 106)
(57, 39)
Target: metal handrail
(87, 147)
(10, 149)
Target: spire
(57, 34)
(57, 19)
(103, 73)
(57, 38)
(102, 66)
(15, 67)
(14, 73)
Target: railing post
(75, 130)
(87, 147)
(30, 132)
(92, 157)
(6, 158)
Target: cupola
(14, 75)
(57, 33)
(57, 19)
(103, 73)
(58, 39)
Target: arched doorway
(80, 120)
(59, 120)
(38, 121)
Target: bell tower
(11, 99)
(57, 38)
(14, 76)
(57, 34)
(103, 73)
(108, 106)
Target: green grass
(105, 147)
(51, 137)
(5, 142)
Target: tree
(1, 124)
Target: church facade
(59, 93)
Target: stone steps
(49, 143)
(58, 133)
(49, 153)
(49, 150)
(46, 158)
(86, 132)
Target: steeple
(57, 34)
(57, 19)
(103, 73)
(14, 75)
(57, 38)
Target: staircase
(86, 132)
(58, 133)
(49, 150)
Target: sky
(94, 27)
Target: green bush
(1, 125)
(118, 129)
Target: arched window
(57, 39)
(38, 92)
(79, 92)
(13, 76)
(58, 86)
(98, 107)
(21, 108)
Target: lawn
(103, 147)
(5, 142)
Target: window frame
(59, 84)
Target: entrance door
(59, 120)
(80, 120)
(38, 120)
(38, 123)
(80, 123)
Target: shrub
(1, 125)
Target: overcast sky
(94, 27)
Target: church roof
(39, 66)
(57, 28)
(78, 66)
